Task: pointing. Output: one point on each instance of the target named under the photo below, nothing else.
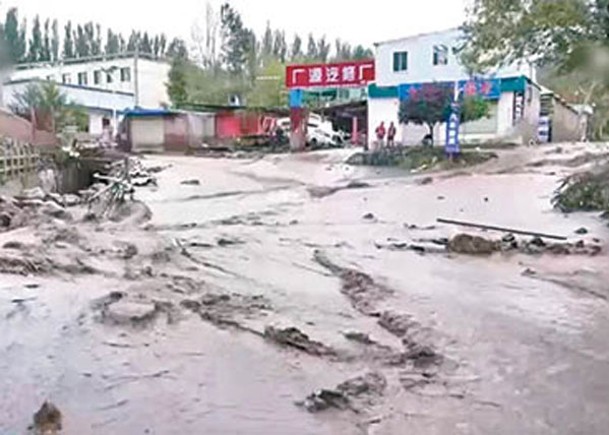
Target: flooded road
(470, 345)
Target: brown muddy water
(263, 301)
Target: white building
(404, 65)
(103, 107)
(145, 78)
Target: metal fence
(16, 159)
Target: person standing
(391, 135)
(380, 134)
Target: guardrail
(16, 159)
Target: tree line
(228, 58)
(45, 41)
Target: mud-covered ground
(296, 295)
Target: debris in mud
(376, 352)
(358, 287)
(396, 324)
(224, 310)
(349, 395)
(55, 210)
(324, 191)
(294, 337)
(472, 245)
(587, 191)
(193, 182)
(229, 241)
(47, 420)
(476, 245)
(424, 181)
(14, 265)
(126, 312)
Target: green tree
(14, 38)
(46, 42)
(501, 32)
(267, 42)
(236, 40)
(269, 88)
(134, 42)
(312, 53)
(145, 44)
(81, 43)
(112, 43)
(428, 106)
(280, 46)
(296, 50)
(323, 49)
(177, 86)
(96, 41)
(431, 105)
(361, 53)
(69, 51)
(48, 102)
(55, 41)
(36, 45)
(177, 49)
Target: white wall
(382, 110)
(420, 61)
(152, 77)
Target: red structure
(330, 75)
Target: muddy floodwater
(294, 294)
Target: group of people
(382, 132)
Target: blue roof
(139, 112)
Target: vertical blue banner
(296, 98)
(452, 132)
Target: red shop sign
(330, 74)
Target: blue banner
(487, 88)
(452, 133)
(296, 98)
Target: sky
(356, 22)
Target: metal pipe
(502, 229)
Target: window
(400, 61)
(109, 78)
(97, 77)
(440, 55)
(83, 80)
(125, 74)
(65, 78)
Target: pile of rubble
(22, 209)
(587, 191)
(476, 245)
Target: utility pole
(136, 76)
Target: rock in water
(472, 245)
(47, 420)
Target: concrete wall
(152, 77)
(420, 61)
(566, 124)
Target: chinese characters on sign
(331, 75)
